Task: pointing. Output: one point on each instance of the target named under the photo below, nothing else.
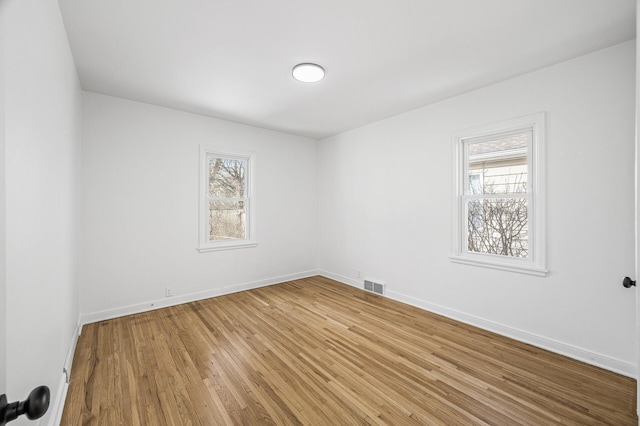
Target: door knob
(34, 406)
(628, 282)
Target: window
(226, 200)
(499, 196)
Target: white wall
(140, 207)
(385, 208)
(42, 123)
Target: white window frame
(535, 263)
(204, 244)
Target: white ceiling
(232, 59)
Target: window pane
(498, 226)
(226, 220)
(227, 177)
(498, 166)
(476, 182)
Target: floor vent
(374, 287)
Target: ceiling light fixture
(308, 73)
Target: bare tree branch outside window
(497, 210)
(498, 225)
(227, 198)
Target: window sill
(226, 246)
(522, 269)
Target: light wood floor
(317, 352)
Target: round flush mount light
(308, 73)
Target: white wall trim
(250, 240)
(68, 362)
(535, 263)
(63, 386)
(341, 278)
(58, 405)
(192, 297)
(522, 269)
(571, 351)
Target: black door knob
(34, 406)
(628, 282)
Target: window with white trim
(226, 200)
(499, 199)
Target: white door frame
(637, 212)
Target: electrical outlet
(168, 292)
(359, 274)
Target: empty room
(319, 213)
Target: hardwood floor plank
(317, 352)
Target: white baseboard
(571, 351)
(61, 394)
(344, 280)
(58, 405)
(192, 297)
(68, 362)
